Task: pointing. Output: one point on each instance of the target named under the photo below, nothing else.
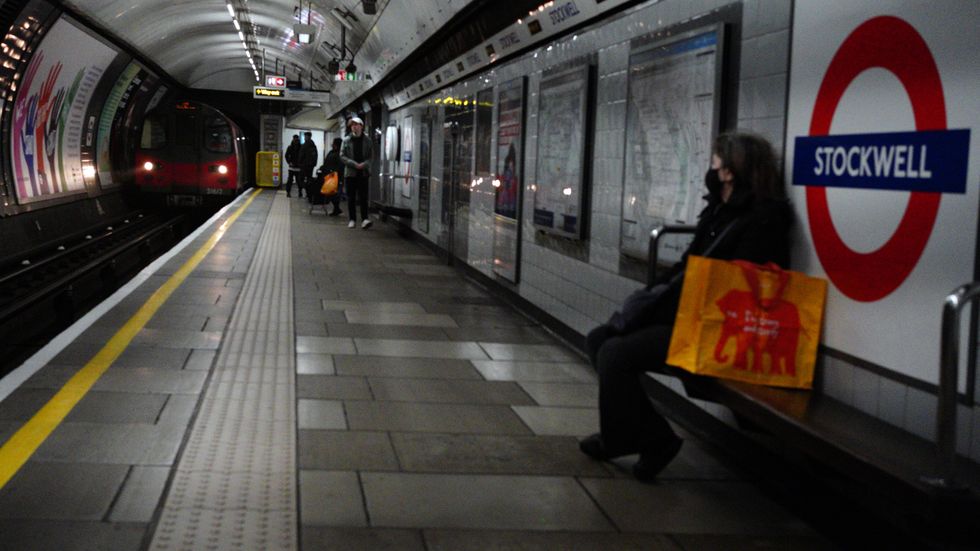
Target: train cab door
(186, 160)
(458, 174)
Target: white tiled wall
(584, 294)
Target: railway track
(44, 290)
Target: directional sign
(275, 81)
(289, 94)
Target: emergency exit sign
(275, 82)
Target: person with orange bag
(747, 218)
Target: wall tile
(920, 414)
(891, 401)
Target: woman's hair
(752, 161)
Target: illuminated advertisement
(115, 105)
(49, 112)
(507, 182)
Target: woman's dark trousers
(627, 420)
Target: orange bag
(742, 321)
(329, 186)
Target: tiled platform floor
(429, 416)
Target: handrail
(654, 247)
(949, 351)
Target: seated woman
(747, 217)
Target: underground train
(189, 154)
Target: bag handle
(751, 272)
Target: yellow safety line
(22, 445)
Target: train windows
(154, 132)
(186, 123)
(217, 135)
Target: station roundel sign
(892, 44)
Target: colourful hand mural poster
(48, 117)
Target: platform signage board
(881, 151)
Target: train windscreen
(217, 135)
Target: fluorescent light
(237, 26)
(340, 16)
(241, 36)
(231, 10)
(304, 33)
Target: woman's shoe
(651, 463)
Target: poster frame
(585, 70)
(500, 219)
(641, 49)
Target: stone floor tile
(529, 352)
(330, 498)
(480, 501)
(332, 387)
(320, 414)
(324, 538)
(44, 535)
(515, 335)
(491, 454)
(406, 368)
(562, 394)
(337, 450)
(387, 331)
(117, 407)
(454, 391)
(405, 416)
(61, 491)
(559, 421)
(314, 364)
(377, 307)
(112, 444)
(533, 540)
(325, 345)
(420, 349)
(143, 379)
(692, 507)
(200, 360)
(535, 371)
(24, 402)
(399, 318)
(140, 494)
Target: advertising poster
(881, 154)
(510, 121)
(115, 104)
(562, 105)
(49, 112)
(425, 170)
(406, 168)
(507, 183)
(673, 97)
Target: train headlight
(148, 166)
(222, 169)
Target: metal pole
(949, 353)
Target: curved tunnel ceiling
(196, 42)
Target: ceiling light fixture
(231, 10)
(370, 6)
(343, 17)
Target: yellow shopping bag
(752, 323)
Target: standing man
(355, 153)
(292, 159)
(308, 158)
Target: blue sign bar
(935, 160)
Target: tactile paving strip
(235, 485)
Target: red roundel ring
(892, 44)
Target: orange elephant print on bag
(758, 324)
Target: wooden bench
(799, 433)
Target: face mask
(712, 182)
